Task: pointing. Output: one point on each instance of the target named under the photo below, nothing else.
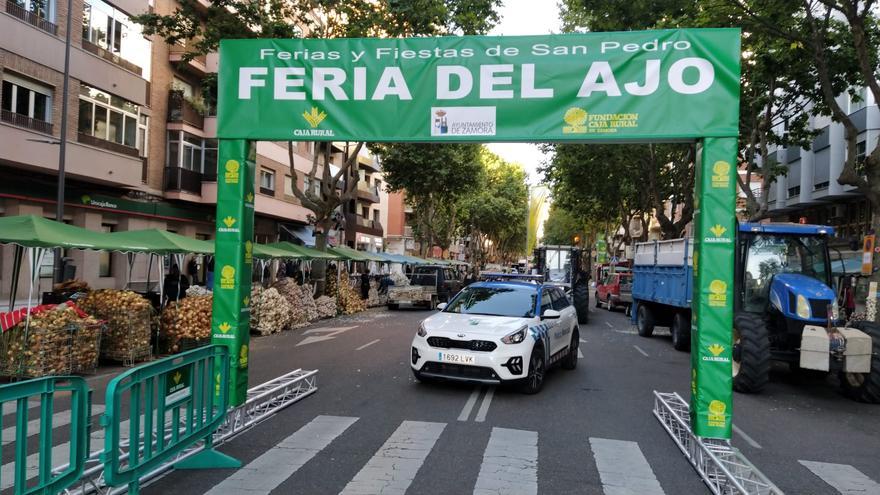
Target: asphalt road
(371, 425)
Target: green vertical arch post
(712, 305)
(233, 259)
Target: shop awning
(307, 253)
(159, 242)
(264, 251)
(35, 231)
(350, 254)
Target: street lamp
(62, 148)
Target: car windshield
(769, 255)
(494, 301)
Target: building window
(113, 31)
(267, 181)
(27, 99)
(821, 185)
(105, 258)
(365, 212)
(378, 184)
(858, 100)
(190, 152)
(794, 191)
(376, 216)
(44, 9)
(111, 118)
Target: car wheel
(598, 301)
(534, 381)
(608, 304)
(681, 332)
(570, 361)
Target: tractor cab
(785, 269)
(561, 266)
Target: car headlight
(422, 332)
(835, 313)
(803, 307)
(515, 337)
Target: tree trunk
(319, 267)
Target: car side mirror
(441, 306)
(550, 314)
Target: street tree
(434, 177)
(494, 215)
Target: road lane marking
(330, 334)
(395, 465)
(273, 467)
(368, 344)
(609, 325)
(510, 463)
(469, 405)
(33, 426)
(844, 478)
(749, 440)
(12, 406)
(623, 468)
(640, 350)
(484, 406)
(580, 354)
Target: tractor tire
(645, 320)
(751, 353)
(580, 295)
(681, 332)
(570, 361)
(865, 387)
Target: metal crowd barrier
(165, 407)
(49, 481)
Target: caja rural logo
(718, 236)
(581, 122)
(314, 117)
(716, 350)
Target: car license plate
(448, 357)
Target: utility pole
(62, 148)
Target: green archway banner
(641, 86)
(648, 85)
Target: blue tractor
(786, 309)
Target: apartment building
(141, 137)
(809, 190)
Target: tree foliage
(435, 177)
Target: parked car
(429, 285)
(615, 291)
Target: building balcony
(18, 11)
(367, 192)
(363, 225)
(20, 120)
(181, 179)
(111, 57)
(197, 65)
(108, 145)
(182, 111)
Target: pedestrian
(192, 270)
(849, 297)
(365, 284)
(209, 274)
(175, 284)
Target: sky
(521, 17)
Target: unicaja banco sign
(633, 85)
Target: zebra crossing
(509, 462)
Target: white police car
(498, 332)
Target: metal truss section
(263, 402)
(723, 467)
